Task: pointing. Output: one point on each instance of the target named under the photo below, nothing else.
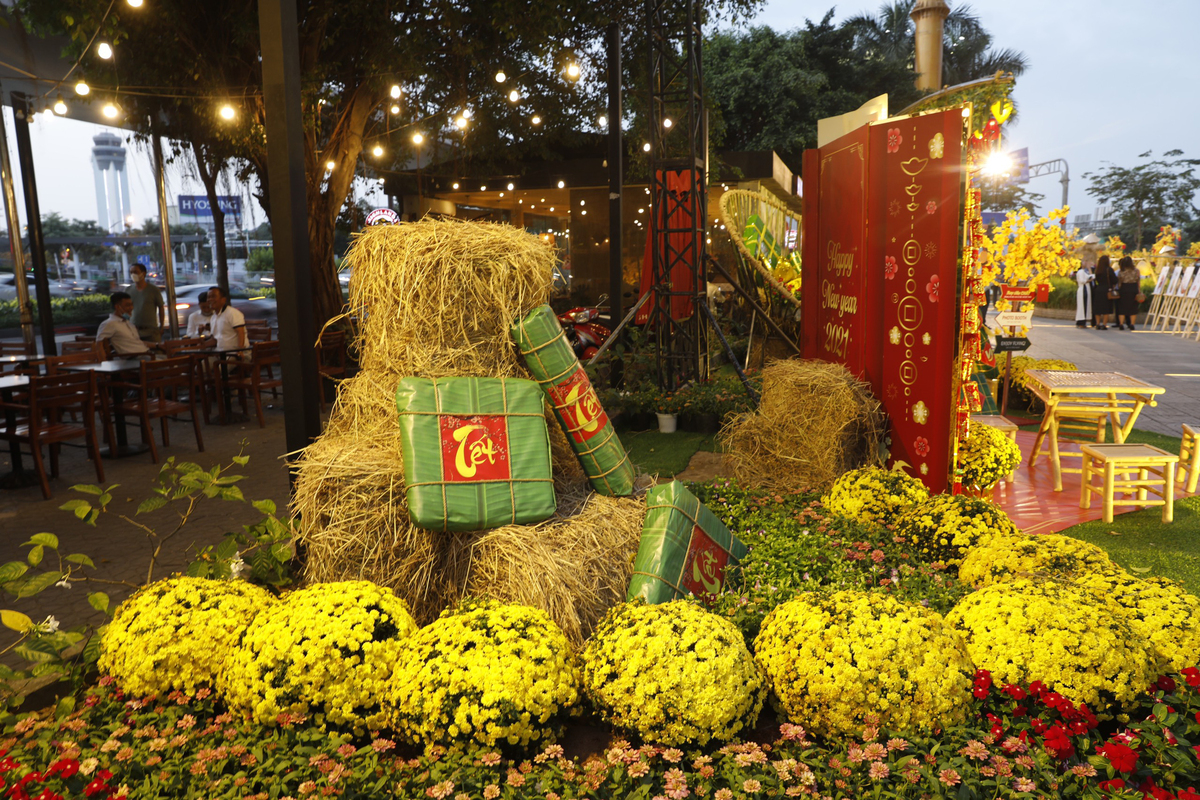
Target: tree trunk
(208, 176)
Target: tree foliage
(1148, 195)
(178, 61)
(770, 88)
(967, 52)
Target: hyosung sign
(197, 205)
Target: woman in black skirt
(1102, 305)
(1128, 280)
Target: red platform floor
(1029, 498)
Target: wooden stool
(1147, 461)
(1189, 459)
(1002, 424)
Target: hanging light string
(58, 85)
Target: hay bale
(436, 298)
(815, 422)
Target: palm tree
(967, 47)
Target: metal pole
(164, 233)
(1066, 180)
(33, 218)
(616, 281)
(280, 41)
(14, 240)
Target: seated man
(228, 324)
(119, 331)
(200, 321)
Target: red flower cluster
(64, 770)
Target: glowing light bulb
(603, 121)
(395, 91)
(395, 109)
(461, 122)
(536, 120)
(501, 77)
(483, 188)
(227, 111)
(110, 111)
(134, 3)
(104, 50)
(329, 165)
(60, 107)
(510, 187)
(514, 96)
(418, 138)
(378, 151)
(646, 147)
(573, 71)
(82, 88)
(561, 184)
(455, 185)
(667, 123)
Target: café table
(105, 370)
(1095, 396)
(27, 360)
(18, 478)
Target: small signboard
(1017, 294)
(1011, 319)
(1012, 344)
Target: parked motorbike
(583, 332)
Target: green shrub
(87, 308)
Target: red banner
(837, 314)
(883, 222)
(1017, 294)
(915, 213)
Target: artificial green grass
(1140, 542)
(665, 454)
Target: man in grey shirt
(148, 310)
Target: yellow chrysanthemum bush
(1078, 643)
(176, 633)
(485, 674)
(1161, 613)
(944, 527)
(874, 494)
(833, 659)
(1005, 557)
(326, 650)
(672, 673)
(986, 456)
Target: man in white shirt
(228, 324)
(119, 330)
(200, 320)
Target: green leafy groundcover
(797, 545)
(1023, 742)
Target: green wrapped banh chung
(684, 550)
(549, 356)
(476, 452)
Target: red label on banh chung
(580, 408)
(474, 449)
(704, 567)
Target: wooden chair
(49, 396)
(161, 385)
(17, 349)
(202, 385)
(256, 376)
(92, 348)
(331, 359)
(1155, 469)
(1189, 459)
(258, 330)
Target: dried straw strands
(814, 423)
